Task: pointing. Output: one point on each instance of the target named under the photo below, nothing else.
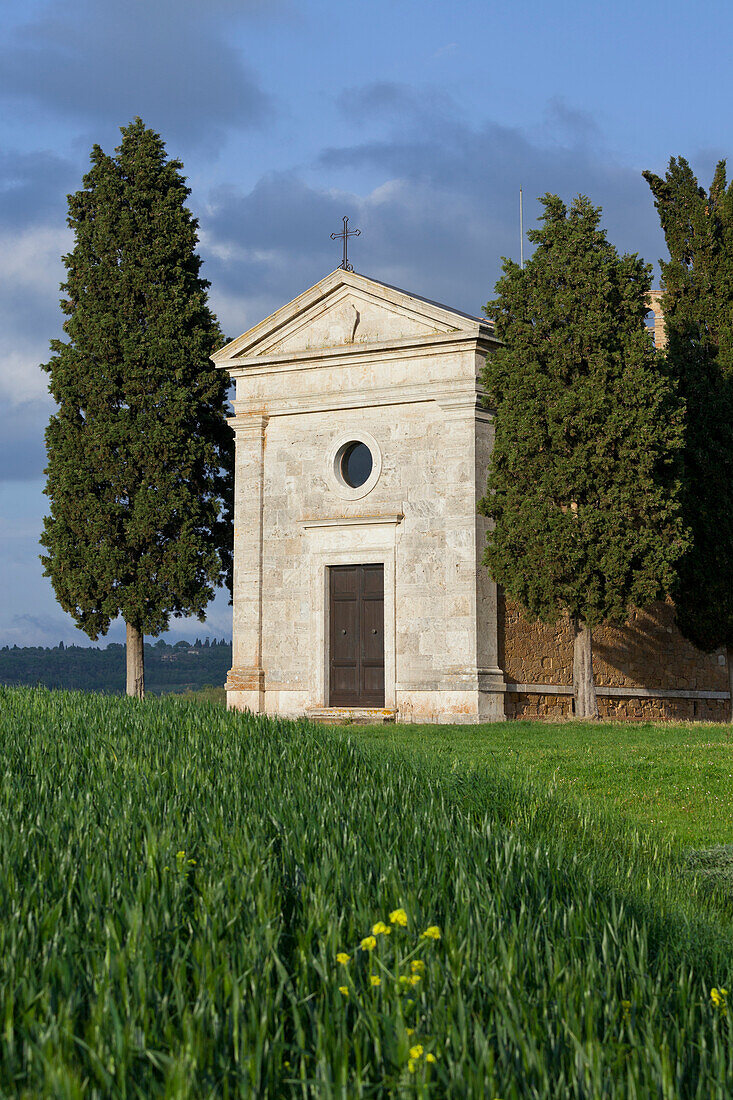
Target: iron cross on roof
(345, 236)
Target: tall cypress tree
(139, 451)
(697, 302)
(583, 482)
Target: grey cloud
(33, 187)
(381, 96)
(41, 630)
(483, 167)
(439, 223)
(280, 210)
(22, 445)
(100, 61)
(570, 122)
(269, 245)
(405, 108)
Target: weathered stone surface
(354, 359)
(647, 653)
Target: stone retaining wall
(533, 705)
(647, 653)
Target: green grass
(176, 882)
(675, 778)
(206, 694)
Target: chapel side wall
(647, 653)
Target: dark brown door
(356, 636)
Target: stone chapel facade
(362, 446)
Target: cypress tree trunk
(135, 662)
(729, 656)
(584, 685)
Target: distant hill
(185, 666)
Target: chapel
(362, 446)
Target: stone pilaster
(470, 432)
(246, 681)
(490, 674)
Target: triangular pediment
(342, 310)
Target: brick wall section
(648, 652)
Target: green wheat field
(201, 904)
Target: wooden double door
(356, 635)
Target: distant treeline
(180, 667)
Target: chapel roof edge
(331, 284)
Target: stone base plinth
(451, 707)
(343, 716)
(245, 700)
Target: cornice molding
(381, 351)
(448, 395)
(389, 520)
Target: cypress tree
(583, 483)
(697, 302)
(139, 451)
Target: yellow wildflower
(411, 1066)
(719, 998)
(626, 1006)
(410, 1030)
(415, 979)
(368, 943)
(417, 966)
(404, 980)
(431, 933)
(416, 1051)
(344, 989)
(375, 980)
(398, 916)
(343, 958)
(381, 929)
(430, 1058)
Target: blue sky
(420, 121)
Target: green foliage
(139, 452)
(583, 483)
(697, 302)
(91, 668)
(171, 929)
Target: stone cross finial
(345, 236)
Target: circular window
(356, 464)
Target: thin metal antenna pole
(521, 231)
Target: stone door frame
(362, 540)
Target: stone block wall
(631, 661)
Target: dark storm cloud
(105, 61)
(22, 445)
(442, 217)
(33, 188)
(485, 166)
